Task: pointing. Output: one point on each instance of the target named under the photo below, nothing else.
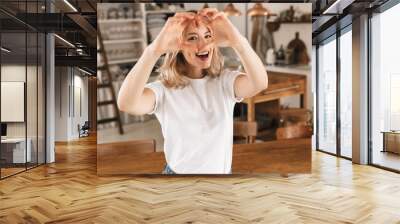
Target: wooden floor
(10, 171)
(70, 192)
(387, 159)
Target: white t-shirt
(197, 123)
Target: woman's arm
(256, 78)
(133, 97)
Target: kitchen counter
(290, 69)
(282, 82)
(282, 156)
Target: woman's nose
(204, 43)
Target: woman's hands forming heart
(224, 33)
(170, 38)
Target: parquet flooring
(69, 191)
(10, 171)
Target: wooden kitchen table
(283, 156)
(279, 85)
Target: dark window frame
(381, 9)
(334, 37)
(29, 29)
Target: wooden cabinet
(391, 142)
(279, 85)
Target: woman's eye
(208, 36)
(192, 38)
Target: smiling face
(198, 48)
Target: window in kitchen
(346, 92)
(385, 89)
(22, 92)
(326, 105)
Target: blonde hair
(173, 70)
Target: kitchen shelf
(125, 61)
(123, 41)
(120, 20)
(149, 12)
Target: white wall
(33, 127)
(16, 72)
(79, 117)
(61, 103)
(69, 81)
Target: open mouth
(203, 55)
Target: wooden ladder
(107, 85)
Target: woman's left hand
(223, 31)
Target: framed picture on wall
(12, 101)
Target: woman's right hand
(170, 38)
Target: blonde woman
(195, 96)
